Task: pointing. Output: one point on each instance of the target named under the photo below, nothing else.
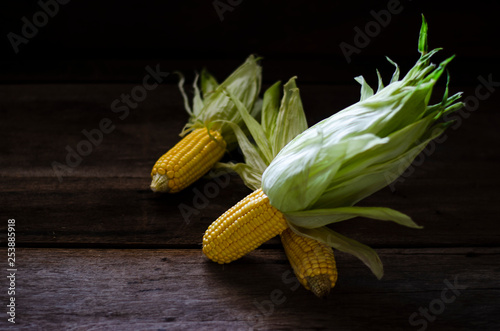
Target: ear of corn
(313, 262)
(243, 228)
(253, 220)
(269, 136)
(187, 161)
(318, 177)
(206, 135)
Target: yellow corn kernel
(313, 262)
(243, 228)
(187, 161)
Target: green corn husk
(319, 176)
(316, 177)
(212, 108)
(279, 124)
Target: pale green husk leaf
(270, 108)
(208, 83)
(316, 218)
(366, 138)
(280, 123)
(290, 119)
(211, 107)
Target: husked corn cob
(313, 262)
(243, 228)
(187, 161)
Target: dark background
(91, 41)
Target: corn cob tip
(313, 262)
(187, 161)
(159, 183)
(320, 285)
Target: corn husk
(212, 108)
(280, 123)
(318, 177)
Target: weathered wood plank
(106, 199)
(39, 121)
(121, 211)
(87, 289)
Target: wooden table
(99, 251)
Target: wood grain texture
(82, 289)
(97, 250)
(106, 203)
(106, 199)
